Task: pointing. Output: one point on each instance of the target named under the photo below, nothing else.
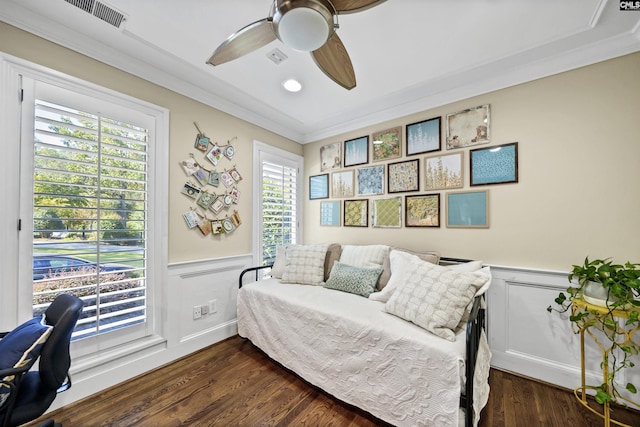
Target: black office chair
(32, 392)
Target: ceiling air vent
(99, 10)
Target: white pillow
(399, 259)
(434, 297)
(305, 264)
(278, 265)
(364, 255)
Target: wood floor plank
(233, 383)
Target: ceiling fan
(304, 25)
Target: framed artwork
(370, 180)
(330, 157)
(494, 165)
(387, 213)
(356, 151)
(422, 211)
(468, 209)
(342, 184)
(443, 172)
(468, 127)
(387, 144)
(423, 137)
(319, 186)
(330, 213)
(403, 176)
(356, 213)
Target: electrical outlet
(205, 310)
(213, 306)
(197, 312)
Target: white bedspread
(348, 346)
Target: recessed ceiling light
(292, 85)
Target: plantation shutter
(90, 215)
(279, 208)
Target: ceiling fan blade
(352, 6)
(334, 61)
(246, 40)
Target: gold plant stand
(598, 314)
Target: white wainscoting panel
(526, 339)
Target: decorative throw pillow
(364, 255)
(305, 264)
(333, 254)
(431, 256)
(21, 347)
(434, 297)
(355, 280)
(398, 261)
(278, 265)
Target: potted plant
(612, 292)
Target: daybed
(358, 322)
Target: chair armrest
(250, 269)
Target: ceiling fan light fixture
(303, 25)
(292, 85)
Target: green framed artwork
(387, 213)
(387, 144)
(330, 213)
(468, 209)
(356, 213)
(422, 211)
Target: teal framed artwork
(330, 213)
(468, 209)
(494, 165)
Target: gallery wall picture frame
(469, 127)
(319, 186)
(422, 210)
(342, 184)
(356, 151)
(331, 157)
(403, 176)
(423, 137)
(356, 213)
(330, 213)
(370, 180)
(468, 209)
(444, 172)
(494, 165)
(387, 144)
(387, 213)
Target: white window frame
(16, 304)
(267, 153)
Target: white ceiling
(408, 55)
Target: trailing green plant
(622, 285)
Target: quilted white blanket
(350, 347)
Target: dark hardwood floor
(232, 383)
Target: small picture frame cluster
(369, 193)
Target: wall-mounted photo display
(356, 151)
(387, 213)
(319, 187)
(370, 180)
(443, 172)
(423, 137)
(356, 213)
(403, 176)
(422, 211)
(330, 157)
(342, 184)
(330, 213)
(468, 209)
(494, 165)
(468, 127)
(387, 144)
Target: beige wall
(184, 244)
(579, 174)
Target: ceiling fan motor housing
(304, 25)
